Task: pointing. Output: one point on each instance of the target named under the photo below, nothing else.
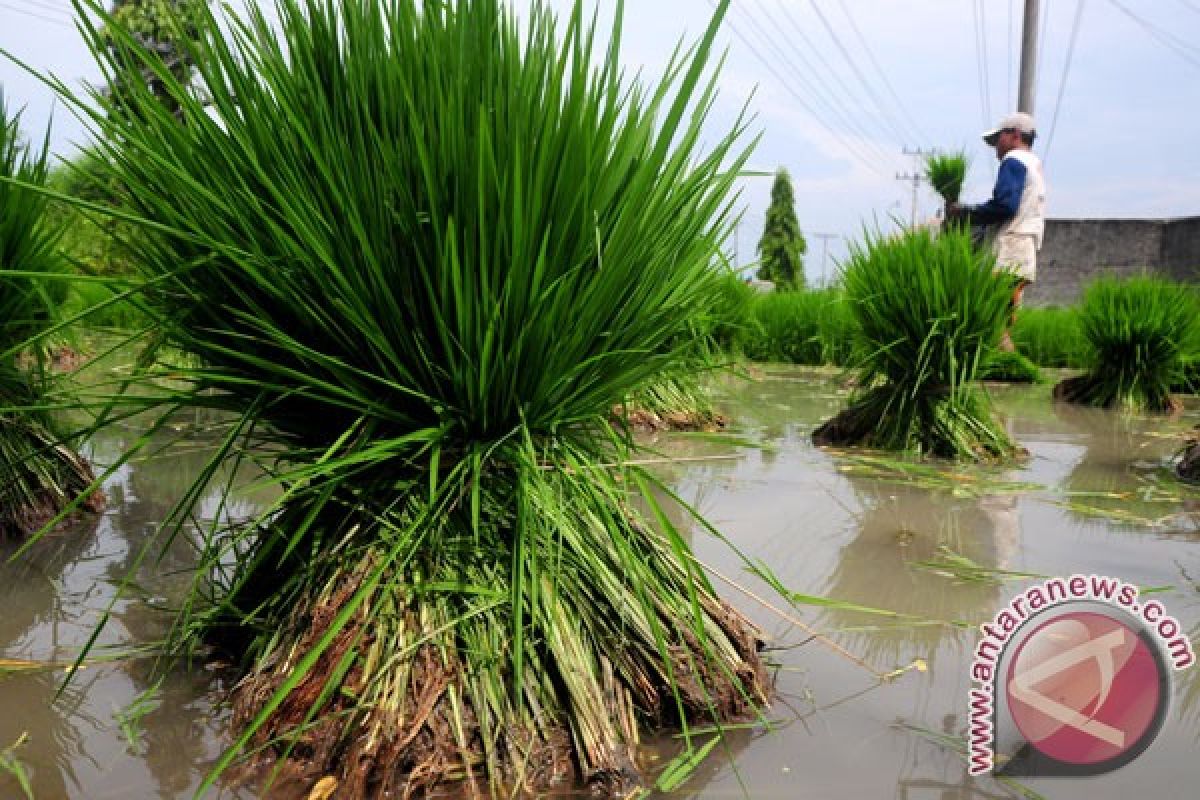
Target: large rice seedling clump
(929, 309)
(421, 251)
(1139, 334)
(946, 173)
(40, 476)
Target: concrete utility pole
(1029, 39)
(915, 177)
(824, 237)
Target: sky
(840, 89)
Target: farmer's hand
(953, 210)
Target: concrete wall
(1075, 251)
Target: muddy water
(828, 527)
(825, 523)
(54, 595)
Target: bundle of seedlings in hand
(1138, 333)
(946, 173)
(421, 250)
(40, 475)
(928, 310)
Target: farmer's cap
(1019, 121)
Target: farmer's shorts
(1017, 253)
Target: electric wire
(862, 79)
(867, 151)
(1180, 46)
(815, 72)
(1062, 85)
(1039, 78)
(983, 50)
(57, 8)
(1008, 95)
(850, 150)
(29, 13)
(983, 110)
(909, 118)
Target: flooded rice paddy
(939, 546)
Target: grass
(1050, 337)
(800, 327)
(946, 173)
(418, 252)
(1139, 334)
(1009, 367)
(928, 311)
(40, 475)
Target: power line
(979, 66)
(1039, 78)
(1009, 92)
(53, 20)
(916, 128)
(983, 50)
(854, 67)
(1166, 37)
(873, 153)
(786, 85)
(43, 4)
(1062, 84)
(816, 87)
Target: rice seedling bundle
(421, 251)
(40, 476)
(928, 310)
(1139, 333)
(946, 173)
(1009, 367)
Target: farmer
(1015, 215)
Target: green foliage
(38, 476)
(781, 248)
(1008, 367)
(1050, 337)
(805, 327)
(1139, 334)
(728, 317)
(928, 310)
(946, 173)
(423, 253)
(155, 41)
(94, 243)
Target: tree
(782, 246)
(162, 27)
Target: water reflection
(54, 596)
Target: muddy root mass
(406, 722)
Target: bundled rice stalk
(1139, 333)
(421, 251)
(928, 310)
(40, 475)
(946, 173)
